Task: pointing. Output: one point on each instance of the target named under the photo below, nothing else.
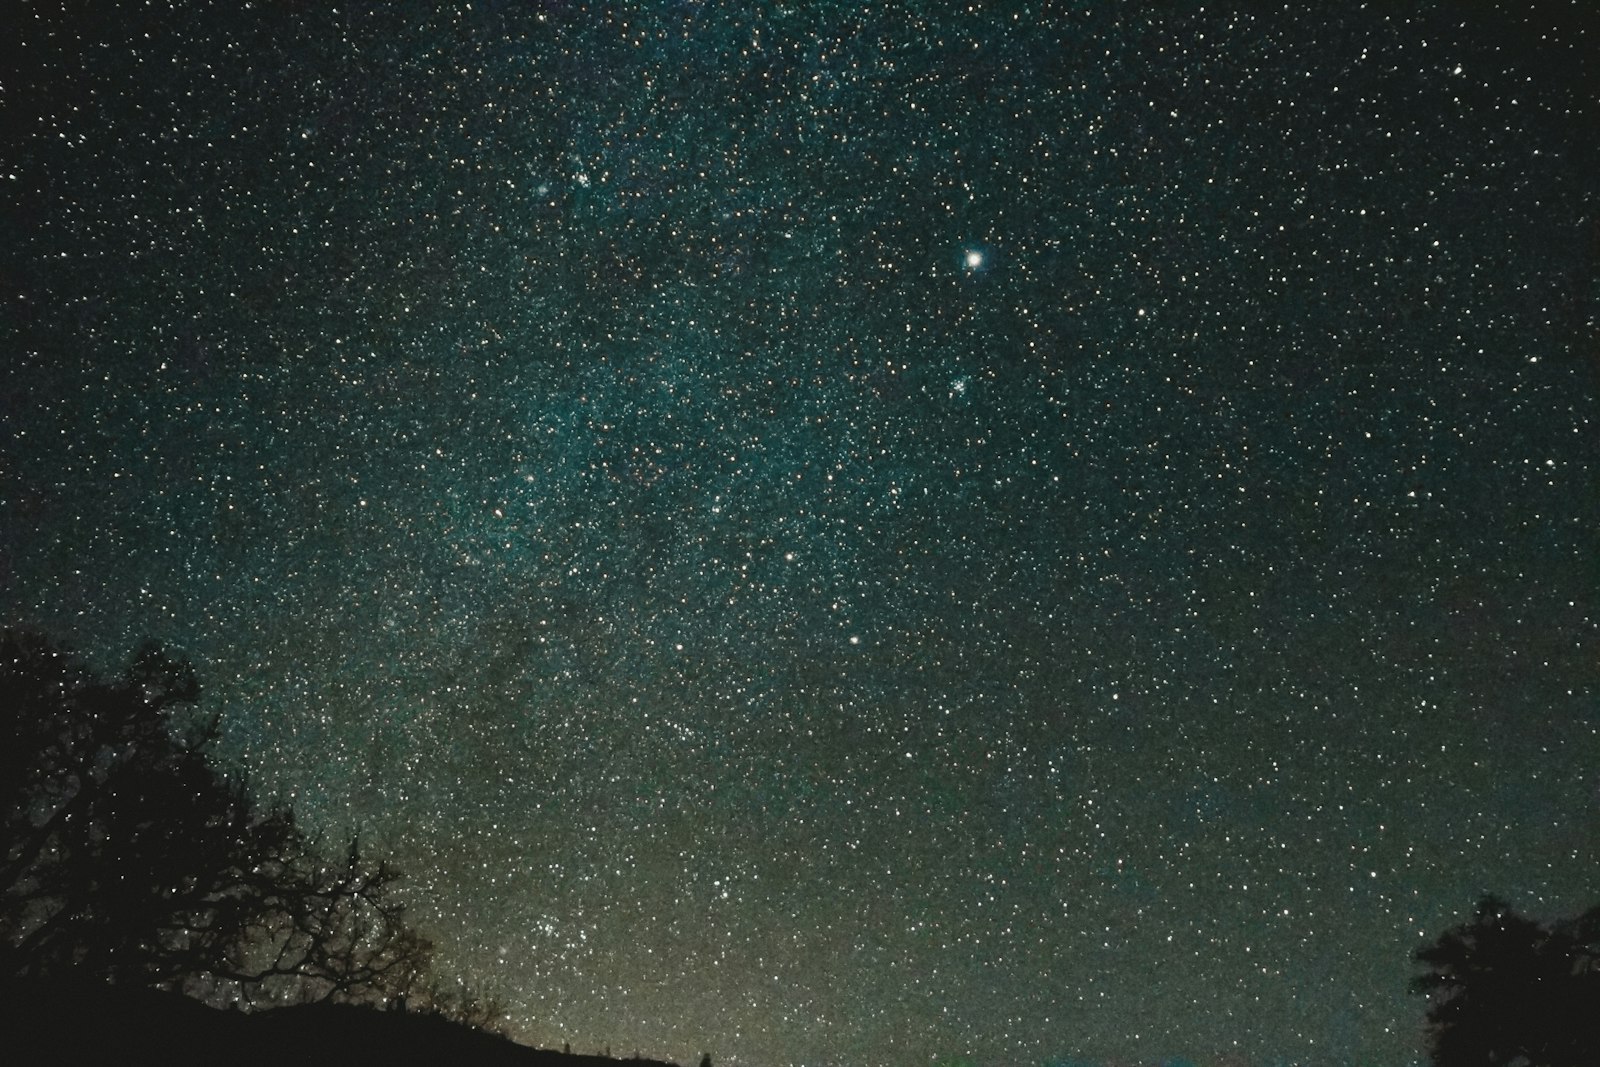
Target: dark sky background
(846, 533)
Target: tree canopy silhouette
(1508, 990)
(126, 855)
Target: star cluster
(844, 533)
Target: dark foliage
(1506, 990)
(126, 856)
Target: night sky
(839, 533)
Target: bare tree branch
(125, 853)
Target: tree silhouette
(125, 855)
(1508, 990)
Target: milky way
(832, 533)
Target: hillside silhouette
(91, 1023)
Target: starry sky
(842, 533)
